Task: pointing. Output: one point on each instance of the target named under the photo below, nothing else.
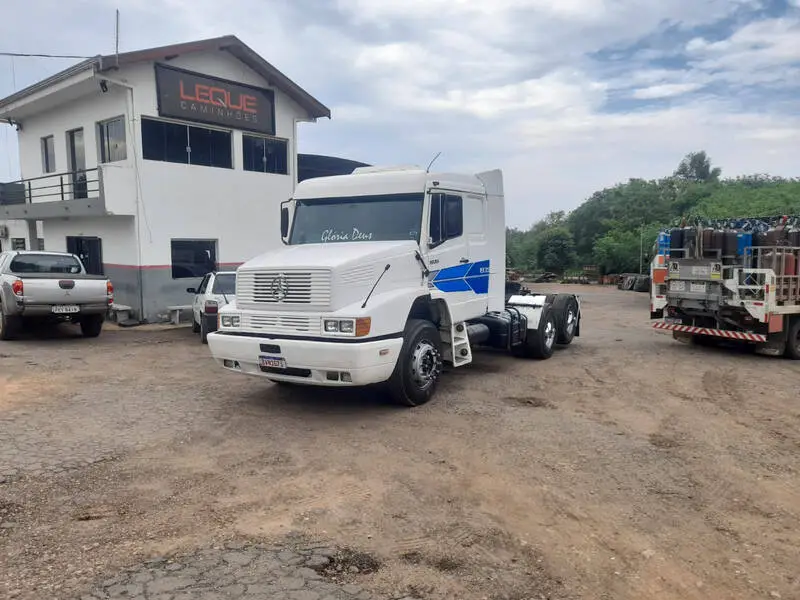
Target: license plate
(698, 288)
(63, 309)
(272, 362)
(677, 286)
(673, 321)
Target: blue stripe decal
(462, 278)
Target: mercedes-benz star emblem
(280, 287)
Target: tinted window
(48, 154)
(447, 217)
(224, 284)
(111, 137)
(209, 147)
(193, 258)
(266, 155)
(44, 263)
(357, 219)
(164, 141)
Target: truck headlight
(347, 327)
(230, 320)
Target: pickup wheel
(419, 365)
(8, 325)
(203, 329)
(92, 325)
(565, 310)
(793, 340)
(540, 342)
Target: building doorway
(76, 153)
(89, 250)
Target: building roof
(229, 43)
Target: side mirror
(284, 222)
(191, 290)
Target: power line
(21, 54)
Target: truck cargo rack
(784, 262)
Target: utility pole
(641, 248)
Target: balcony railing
(55, 187)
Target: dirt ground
(626, 466)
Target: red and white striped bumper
(731, 335)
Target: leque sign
(195, 97)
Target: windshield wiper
(386, 268)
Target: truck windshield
(387, 217)
(44, 263)
(224, 284)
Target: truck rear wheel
(419, 365)
(793, 340)
(92, 325)
(565, 310)
(540, 342)
(8, 325)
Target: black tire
(419, 365)
(203, 329)
(9, 326)
(195, 325)
(540, 342)
(793, 340)
(92, 325)
(565, 311)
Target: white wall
(19, 229)
(85, 113)
(117, 235)
(239, 208)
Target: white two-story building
(156, 166)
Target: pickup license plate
(65, 309)
(677, 286)
(272, 362)
(698, 288)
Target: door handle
(464, 260)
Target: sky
(565, 96)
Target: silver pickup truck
(50, 286)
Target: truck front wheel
(565, 309)
(419, 365)
(793, 340)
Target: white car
(216, 290)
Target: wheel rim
(425, 365)
(549, 334)
(570, 322)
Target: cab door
(454, 276)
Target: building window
(48, 154)
(265, 155)
(40, 244)
(111, 137)
(18, 244)
(193, 258)
(186, 144)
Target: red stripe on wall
(116, 266)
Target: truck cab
(385, 275)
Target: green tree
(696, 166)
(556, 250)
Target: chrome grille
(275, 323)
(307, 288)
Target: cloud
(665, 90)
(566, 97)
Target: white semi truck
(386, 274)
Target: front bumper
(309, 362)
